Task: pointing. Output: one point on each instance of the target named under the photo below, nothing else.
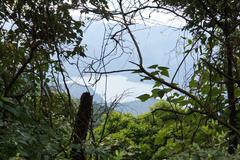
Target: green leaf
(154, 73)
(162, 68)
(155, 92)
(158, 93)
(190, 41)
(165, 72)
(161, 93)
(153, 66)
(157, 84)
(144, 97)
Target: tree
(214, 87)
(81, 125)
(35, 38)
(217, 25)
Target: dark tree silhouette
(81, 126)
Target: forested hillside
(196, 117)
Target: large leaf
(144, 97)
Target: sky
(158, 43)
(116, 86)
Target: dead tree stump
(81, 126)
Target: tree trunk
(81, 126)
(233, 138)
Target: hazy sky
(159, 45)
(116, 86)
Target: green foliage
(36, 118)
(213, 87)
(35, 115)
(36, 135)
(162, 134)
(198, 153)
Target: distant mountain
(76, 90)
(136, 107)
